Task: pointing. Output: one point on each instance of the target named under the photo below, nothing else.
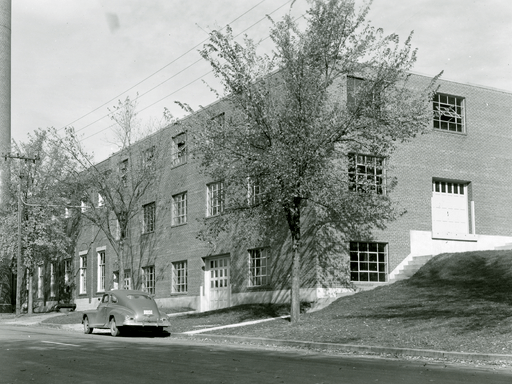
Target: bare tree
(116, 191)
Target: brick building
(453, 182)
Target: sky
(73, 59)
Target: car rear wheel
(114, 329)
(87, 328)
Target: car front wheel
(87, 328)
(114, 329)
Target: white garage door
(449, 208)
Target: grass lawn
(456, 302)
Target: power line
(154, 73)
(164, 81)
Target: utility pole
(19, 268)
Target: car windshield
(138, 297)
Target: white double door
(450, 213)
(217, 281)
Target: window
(366, 174)
(368, 262)
(179, 149)
(127, 282)
(255, 192)
(115, 280)
(363, 94)
(148, 279)
(215, 199)
(101, 271)
(179, 277)
(449, 113)
(148, 157)
(116, 230)
(148, 223)
(179, 209)
(67, 272)
(101, 201)
(52, 280)
(83, 206)
(448, 187)
(40, 282)
(83, 274)
(258, 267)
(220, 119)
(127, 279)
(123, 171)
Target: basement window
(368, 262)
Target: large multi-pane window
(101, 271)
(179, 149)
(148, 279)
(368, 261)
(148, 223)
(366, 174)
(258, 267)
(179, 209)
(83, 274)
(215, 199)
(179, 277)
(449, 113)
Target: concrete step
(412, 267)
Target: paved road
(41, 355)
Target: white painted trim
(81, 253)
(473, 220)
(103, 248)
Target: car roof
(126, 292)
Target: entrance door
(449, 208)
(219, 285)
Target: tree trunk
(30, 289)
(293, 218)
(295, 293)
(121, 264)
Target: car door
(103, 309)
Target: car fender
(92, 315)
(119, 315)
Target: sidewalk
(203, 334)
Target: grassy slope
(456, 302)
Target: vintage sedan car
(125, 309)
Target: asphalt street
(41, 355)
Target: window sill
(147, 233)
(178, 225)
(259, 287)
(450, 132)
(179, 293)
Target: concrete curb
(349, 348)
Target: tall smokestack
(5, 96)
(6, 280)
